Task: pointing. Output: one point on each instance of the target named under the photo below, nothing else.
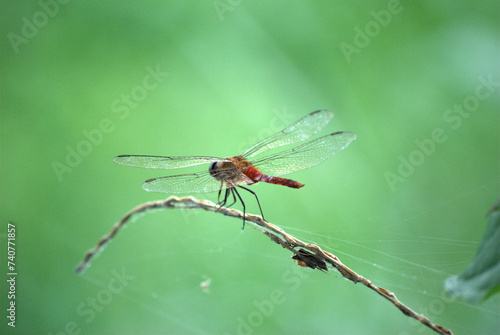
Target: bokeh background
(228, 73)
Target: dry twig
(306, 254)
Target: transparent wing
(201, 182)
(298, 131)
(162, 162)
(306, 155)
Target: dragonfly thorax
(232, 170)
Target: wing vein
(296, 132)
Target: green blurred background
(232, 72)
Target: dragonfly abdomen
(257, 176)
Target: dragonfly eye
(213, 169)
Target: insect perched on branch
(257, 164)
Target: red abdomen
(257, 176)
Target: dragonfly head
(213, 169)
(219, 169)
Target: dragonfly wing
(306, 155)
(201, 182)
(298, 131)
(162, 162)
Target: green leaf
(481, 278)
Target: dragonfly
(257, 164)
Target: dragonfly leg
(256, 197)
(222, 203)
(218, 195)
(234, 199)
(234, 191)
